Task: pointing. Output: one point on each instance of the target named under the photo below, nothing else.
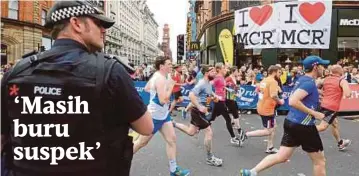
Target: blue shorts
(157, 124)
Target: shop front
(343, 47)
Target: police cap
(63, 10)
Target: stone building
(22, 28)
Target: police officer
(99, 101)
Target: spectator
(355, 76)
(347, 75)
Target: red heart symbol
(310, 12)
(260, 16)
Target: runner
(231, 103)
(199, 112)
(333, 89)
(299, 126)
(267, 100)
(160, 92)
(220, 106)
(176, 92)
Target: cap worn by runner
(310, 61)
(63, 10)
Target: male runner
(199, 114)
(160, 89)
(299, 126)
(231, 95)
(333, 89)
(220, 106)
(267, 100)
(177, 77)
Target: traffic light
(180, 46)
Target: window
(47, 43)
(13, 9)
(43, 17)
(348, 50)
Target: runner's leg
(282, 156)
(318, 160)
(141, 142)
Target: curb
(350, 117)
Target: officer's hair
(58, 27)
(272, 69)
(160, 60)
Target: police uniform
(100, 91)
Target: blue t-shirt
(307, 84)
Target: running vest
(332, 93)
(82, 83)
(158, 111)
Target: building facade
(214, 16)
(134, 34)
(22, 28)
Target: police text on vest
(47, 90)
(49, 107)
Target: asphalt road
(152, 161)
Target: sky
(174, 13)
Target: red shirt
(332, 93)
(177, 77)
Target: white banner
(300, 24)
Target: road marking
(301, 174)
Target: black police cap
(63, 10)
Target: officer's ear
(78, 24)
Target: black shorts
(198, 119)
(232, 108)
(177, 95)
(307, 136)
(329, 115)
(219, 108)
(268, 121)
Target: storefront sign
(195, 46)
(348, 22)
(225, 40)
(285, 25)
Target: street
(152, 160)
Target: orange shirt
(266, 104)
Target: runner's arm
(163, 94)
(295, 100)
(193, 99)
(148, 87)
(273, 90)
(346, 89)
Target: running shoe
(234, 141)
(214, 161)
(245, 172)
(242, 137)
(272, 150)
(180, 172)
(344, 145)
